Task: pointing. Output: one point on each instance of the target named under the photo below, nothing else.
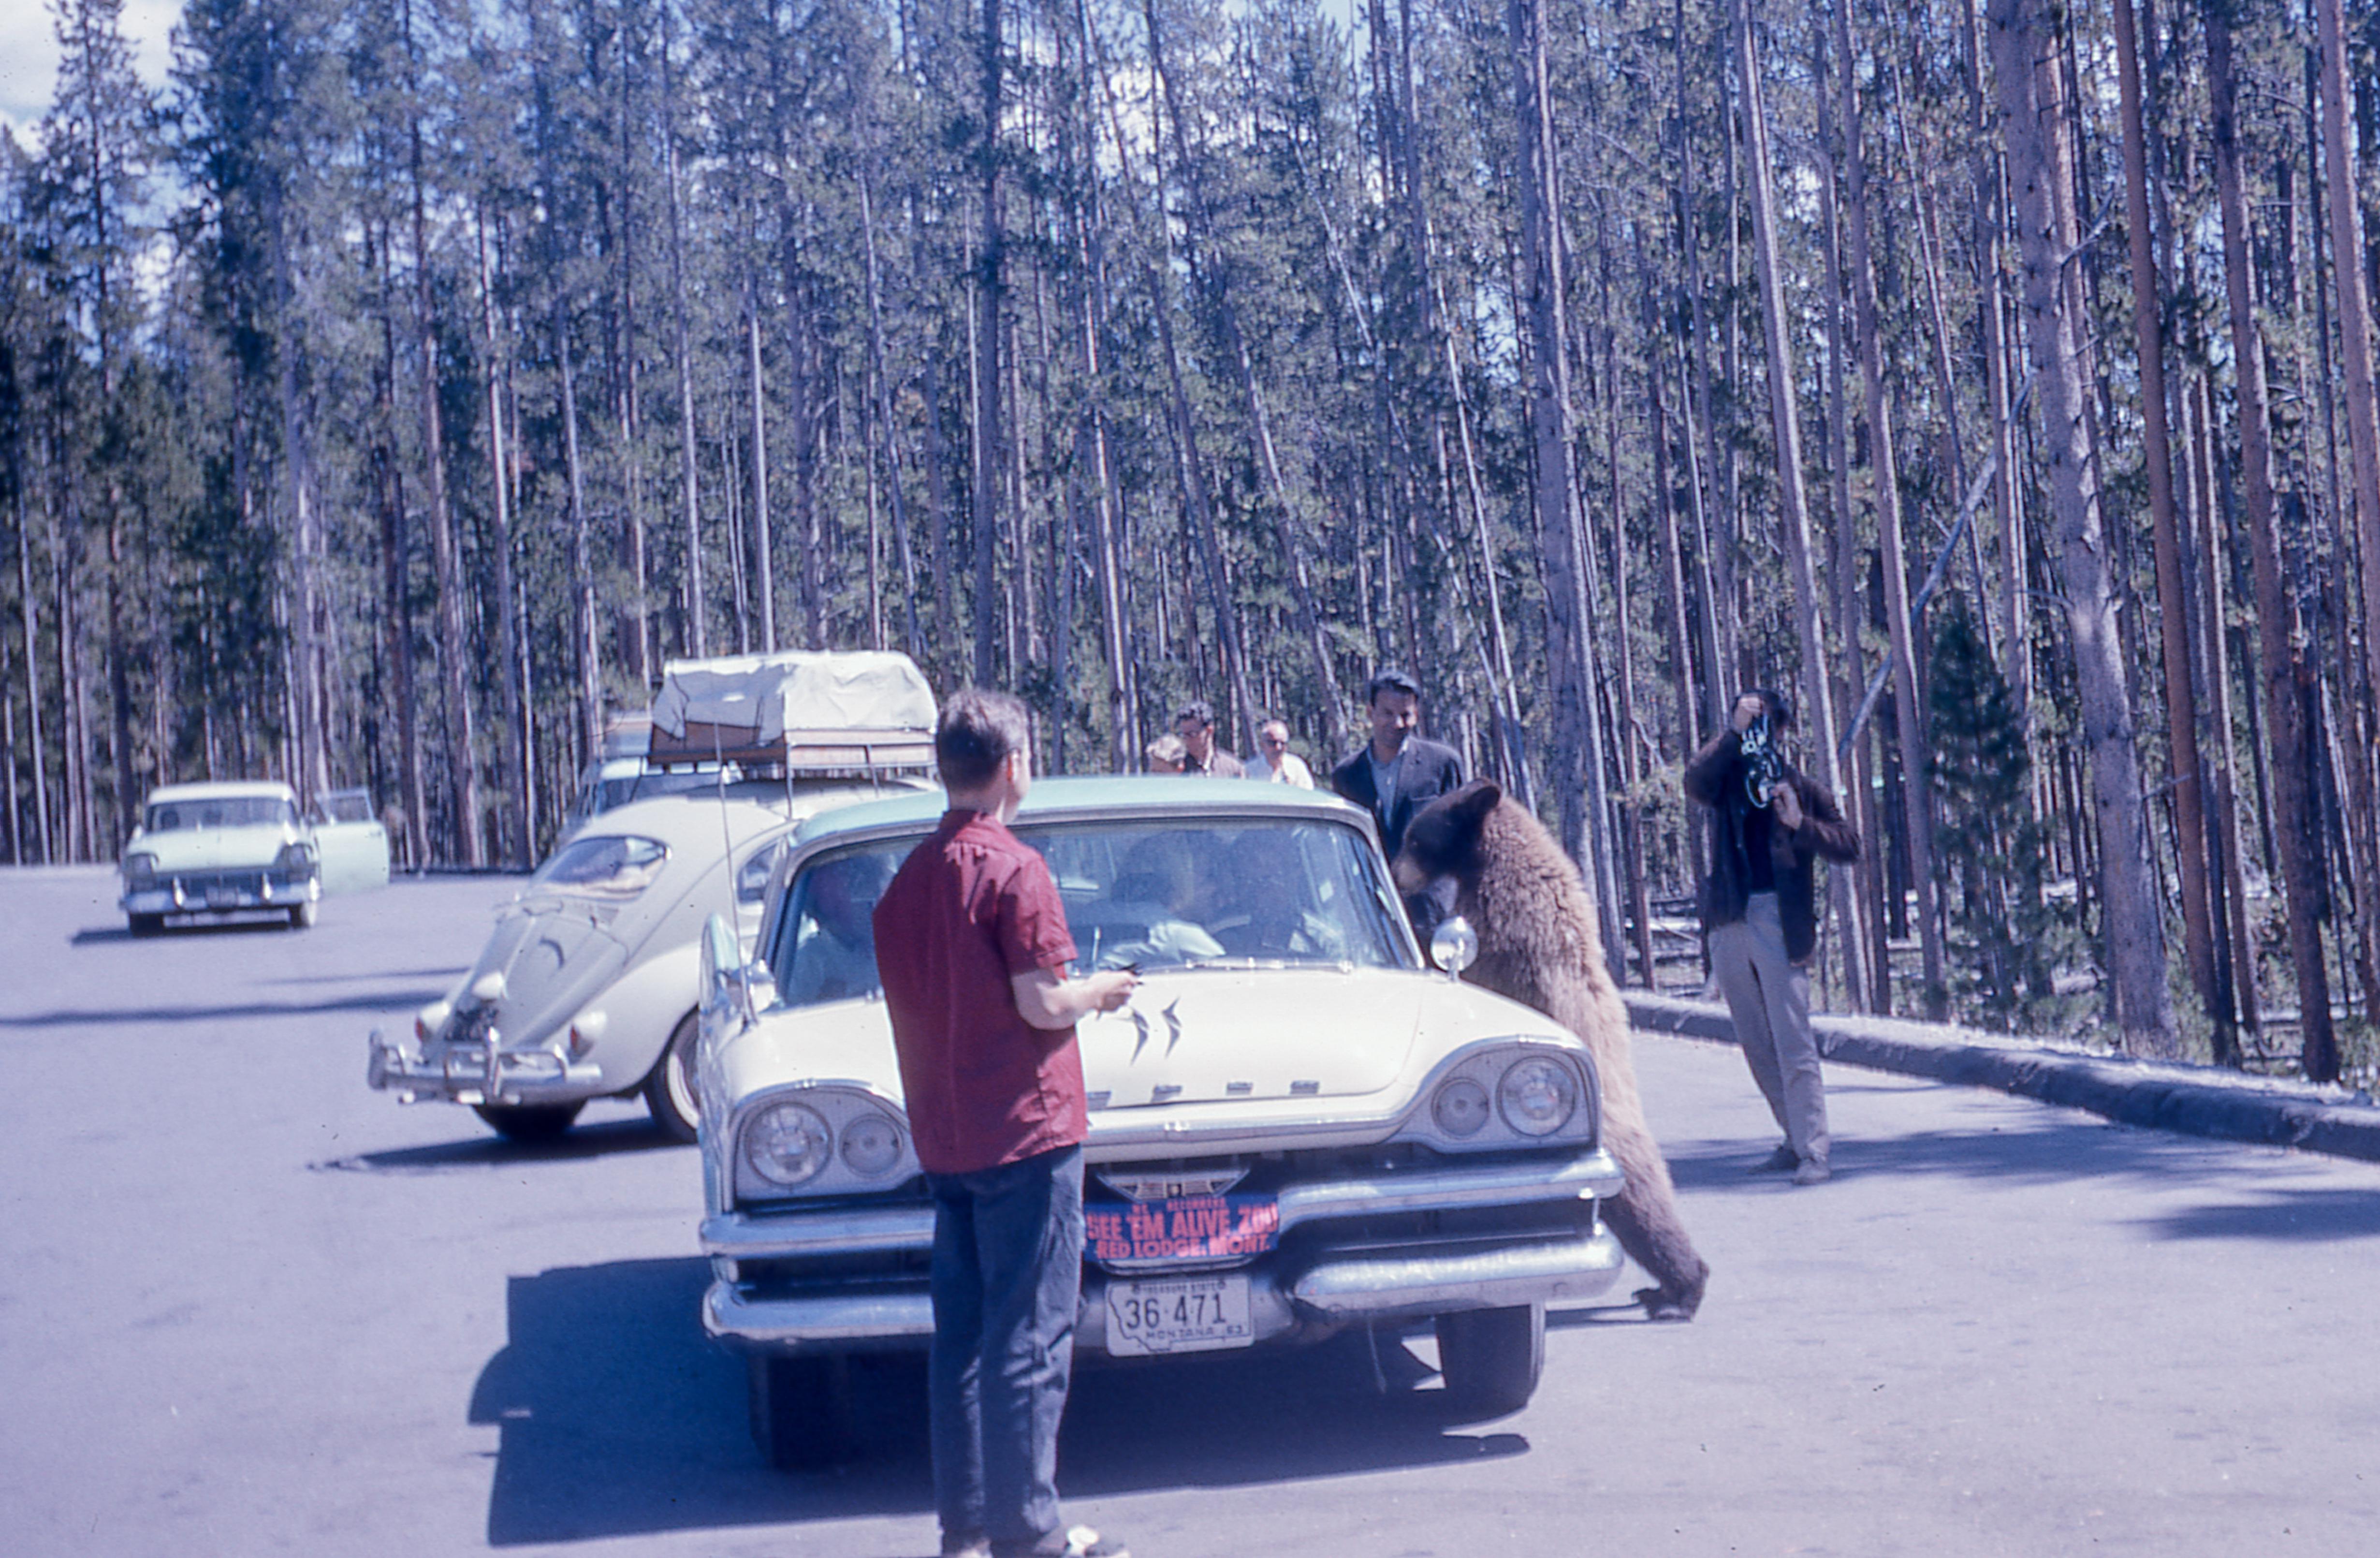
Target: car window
(609, 866)
(346, 806)
(752, 880)
(222, 811)
(1152, 894)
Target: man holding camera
(1770, 824)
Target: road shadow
(2042, 1148)
(447, 975)
(100, 935)
(616, 1417)
(370, 1001)
(2306, 1216)
(605, 1139)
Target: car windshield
(1167, 893)
(609, 866)
(221, 811)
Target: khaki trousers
(1769, 999)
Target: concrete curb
(2193, 1100)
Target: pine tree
(2008, 936)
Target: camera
(1764, 765)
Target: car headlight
(296, 859)
(1538, 1095)
(139, 869)
(788, 1144)
(1461, 1107)
(872, 1144)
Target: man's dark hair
(977, 731)
(1388, 679)
(1197, 709)
(1780, 706)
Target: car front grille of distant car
(199, 884)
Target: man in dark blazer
(1398, 772)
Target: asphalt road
(248, 1306)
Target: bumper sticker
(1182, 1228)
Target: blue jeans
(1007, 1277)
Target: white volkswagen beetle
(227, 847)
(1296, 1124)
(587, 988)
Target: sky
(28, 53)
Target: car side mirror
(723, 969)
(1454, 946)
(734, 988)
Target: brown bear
(1538, 944)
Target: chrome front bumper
(478, 1072)
(1293, 1296)
(220, 893)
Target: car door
(351, 841)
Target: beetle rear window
(619, 866)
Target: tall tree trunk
(698, 637)
(984, 473)
(396, 567)
(30, 612)
(2295, 806)
(2173, 609)
(1570, 650)
(465, 838)
(1870, 973)
(763, 568)
(2348, 264)
(1793, 517)
(1884, 483)
(513, 748)
(582, 562)
(2032, 93)
(879, 377)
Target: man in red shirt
(972, 944)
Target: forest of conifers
(385, 399)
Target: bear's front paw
(1660, 1304)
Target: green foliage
(2010, 938)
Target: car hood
(1186, 1038)
(187, 849)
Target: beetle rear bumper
(483, 1074)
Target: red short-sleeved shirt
(971, 905)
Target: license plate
(1179, 1315)
(465, 1065)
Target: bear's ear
(1475, 800)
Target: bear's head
(1443, 838)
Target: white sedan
(228, 848)
(1296, 1125)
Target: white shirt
(1293, 770)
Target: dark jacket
(1714, 777)
(1428, 771)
